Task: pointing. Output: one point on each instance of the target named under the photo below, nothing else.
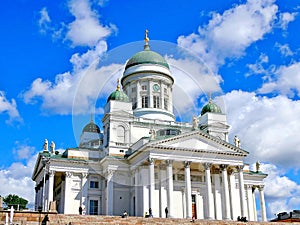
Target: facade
(145, 159)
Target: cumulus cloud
(18, 175)
(192, 79)
(73, 93)
(86, 29)
(285, 80)
(10, 108)
(268, 127)
(227, 35)
(282, 193)
(285, 18)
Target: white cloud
(284, 49)
(9, 107)
(19, 175)
(44, 20)
(285, 18)
(75, 92)
(282, 193)
(285, 80)
(192, 79)
(258, 66)
(227, 35)
(86, 28)
(268, 127)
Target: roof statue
(195, 123)
(257, 166)
(237, 142)
(52, 147)
(45, 146)
(152, 134)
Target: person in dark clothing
(80, 210)
(150, 212)
(166, 211)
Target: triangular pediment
(198, 141)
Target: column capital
(169, 162)
(84, 175)
(51, 173)
(187, 164)
(69, 174)
(248, 186)
(223, 167)
(207, 166)
(261, 187)
(240, 168)
(151, 160)
(110, 173)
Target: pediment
(198, 141)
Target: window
(165, 91)
(94, 184)
(133, 90)
(144, 101)
(134, 103)
(166, 102)
(144, 87)
(93, 207)
(155, 101)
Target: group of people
(242, 219)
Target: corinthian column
(170, 187)
(210, 206)
(226, 192)
(242, 190)
(188, 190)
(262, 203)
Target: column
(67, 188)
(136, 193)
(250, 203)
(262, 203)
(226, 215)
(50, 188)
(138, 95)
(217, 193)
(84, 190)
(188, 189)
(209, 197)
(254, 204)
(109, 193)
(234, 207)
(163, 201)
(242, 190)
(151, 183)
(170, 187)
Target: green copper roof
(119, 96)
(91, 127)
(211, 107)
(147, 57)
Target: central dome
(147, 57)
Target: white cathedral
(145, 159)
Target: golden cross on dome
(146, 36)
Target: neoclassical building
(143, 158)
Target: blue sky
(50, 53)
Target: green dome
(91, 127)
(118, 95)
(147, 57)
(210, 107)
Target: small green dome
(118, 95)
(91, 127)
(147, 57)
(210, 107)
